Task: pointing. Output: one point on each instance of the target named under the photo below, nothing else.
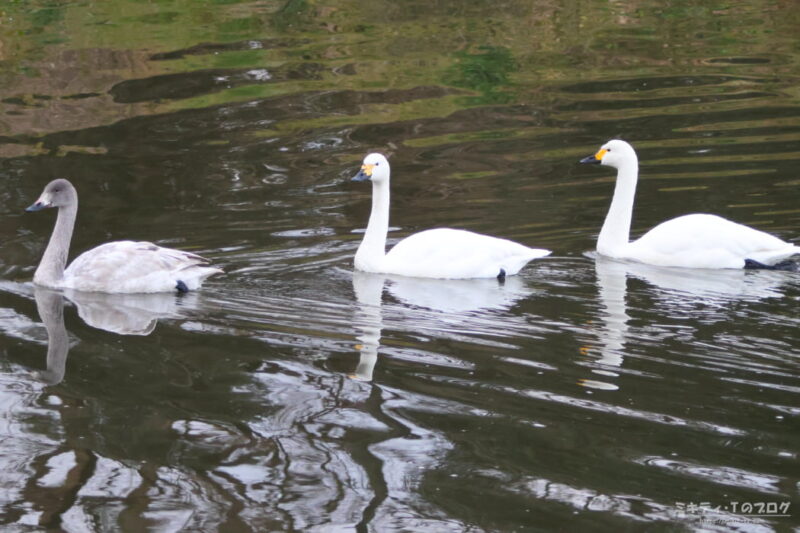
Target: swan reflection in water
(678, 286)
(447, 296)
(123, 314)
(129, 314)
(50, 305)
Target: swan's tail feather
(199, 259)
(194, 275)
(200, 265)
(539, 252)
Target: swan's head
(375, 169)
(615, 153)
(58, 193)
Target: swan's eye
(376, 164)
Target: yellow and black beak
(596, 158)
(365, 174)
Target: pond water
(292, 394)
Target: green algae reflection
(486, 71)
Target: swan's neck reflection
(368, 289)
(452, 297)
(50, 305)
(675, 287)
(123, 314)
(612, 282)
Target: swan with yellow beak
(434, 253)
(694, 241)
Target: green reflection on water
(487, 72)
(502, 56)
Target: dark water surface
(291, 394)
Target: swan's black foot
(787, 265)
(501, 277)
(181, 287)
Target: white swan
(692, 241)
(120, 266)
(435, 253)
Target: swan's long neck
(51, 268)
(616, 230)
(372, 251)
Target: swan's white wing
(452, 253)
(707, 241)
(135, 267)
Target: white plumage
(455, 253)
(114, 267)
(436, 253)
(692, 241)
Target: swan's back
(456, 254)
(708, 241)
(136, 267)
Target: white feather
(455, 253)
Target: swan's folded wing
(128, 266)
(453, 253)
(708, 241)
